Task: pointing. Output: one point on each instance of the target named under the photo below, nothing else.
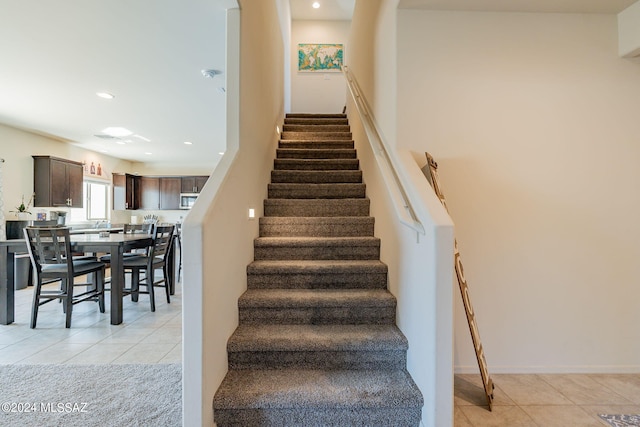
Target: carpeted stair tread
(316, 120)
(316, 127)
(316, 248)
(317, 347)
(313, 136)
(316, 191)
(306, 241)
(316, 226)
(342, 144)
(316, 153)
(316, 207)
(316, 267)
(317, 274)
(316, 298)
(294, 388)
(259, 338)
(316, 115)
(316, 177)
(316, 164)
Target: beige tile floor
(565, 400)
(143, 337)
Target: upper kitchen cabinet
(149, 192)
(126, 191)
(170, 192)
(193, 184)
(57, 182)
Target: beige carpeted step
(317, 306)
(316, 191)
(317, 347)
(316, 164)
(307, 397)
(315, 153)
(315, 136)
(316, 248)
(316, 177)
(316, 226)
(314, 274)
(311, 144)
(316, 120)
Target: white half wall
(533, 119)
(218, 235)
(629, 31)
(313, 92)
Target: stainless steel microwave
(187, 200)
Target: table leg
(117, 284)
(7, 291)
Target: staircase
(317, 343)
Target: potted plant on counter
(22, 210)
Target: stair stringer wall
(420, 275)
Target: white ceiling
(543, 6)
(335, 10)
(55, 55)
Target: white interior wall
(533, 121)
(17, 147)
(313, 92)
(218, 235)
(420, 266)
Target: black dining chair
(156, 258)
(52, 260)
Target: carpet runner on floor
(317, 343)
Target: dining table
(115, 244)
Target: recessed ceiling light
(315, 5)
(120, 142)
(188, 143)
(221, 153)
(105, 95)
(117, 131)
(104, 151)
(148, 153)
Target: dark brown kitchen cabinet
(170, 192)
(149, 192)
(193, 184)
(126, 191)
(57, 182)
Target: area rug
(91, 395)
(622, 420)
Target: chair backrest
(162, 237)
(49, 246)
(146, 228)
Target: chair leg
(166, 285)
(100, 288)
(135, 284)
(36, 303)
(152, 298)
(69, 301)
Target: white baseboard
(587, 369)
